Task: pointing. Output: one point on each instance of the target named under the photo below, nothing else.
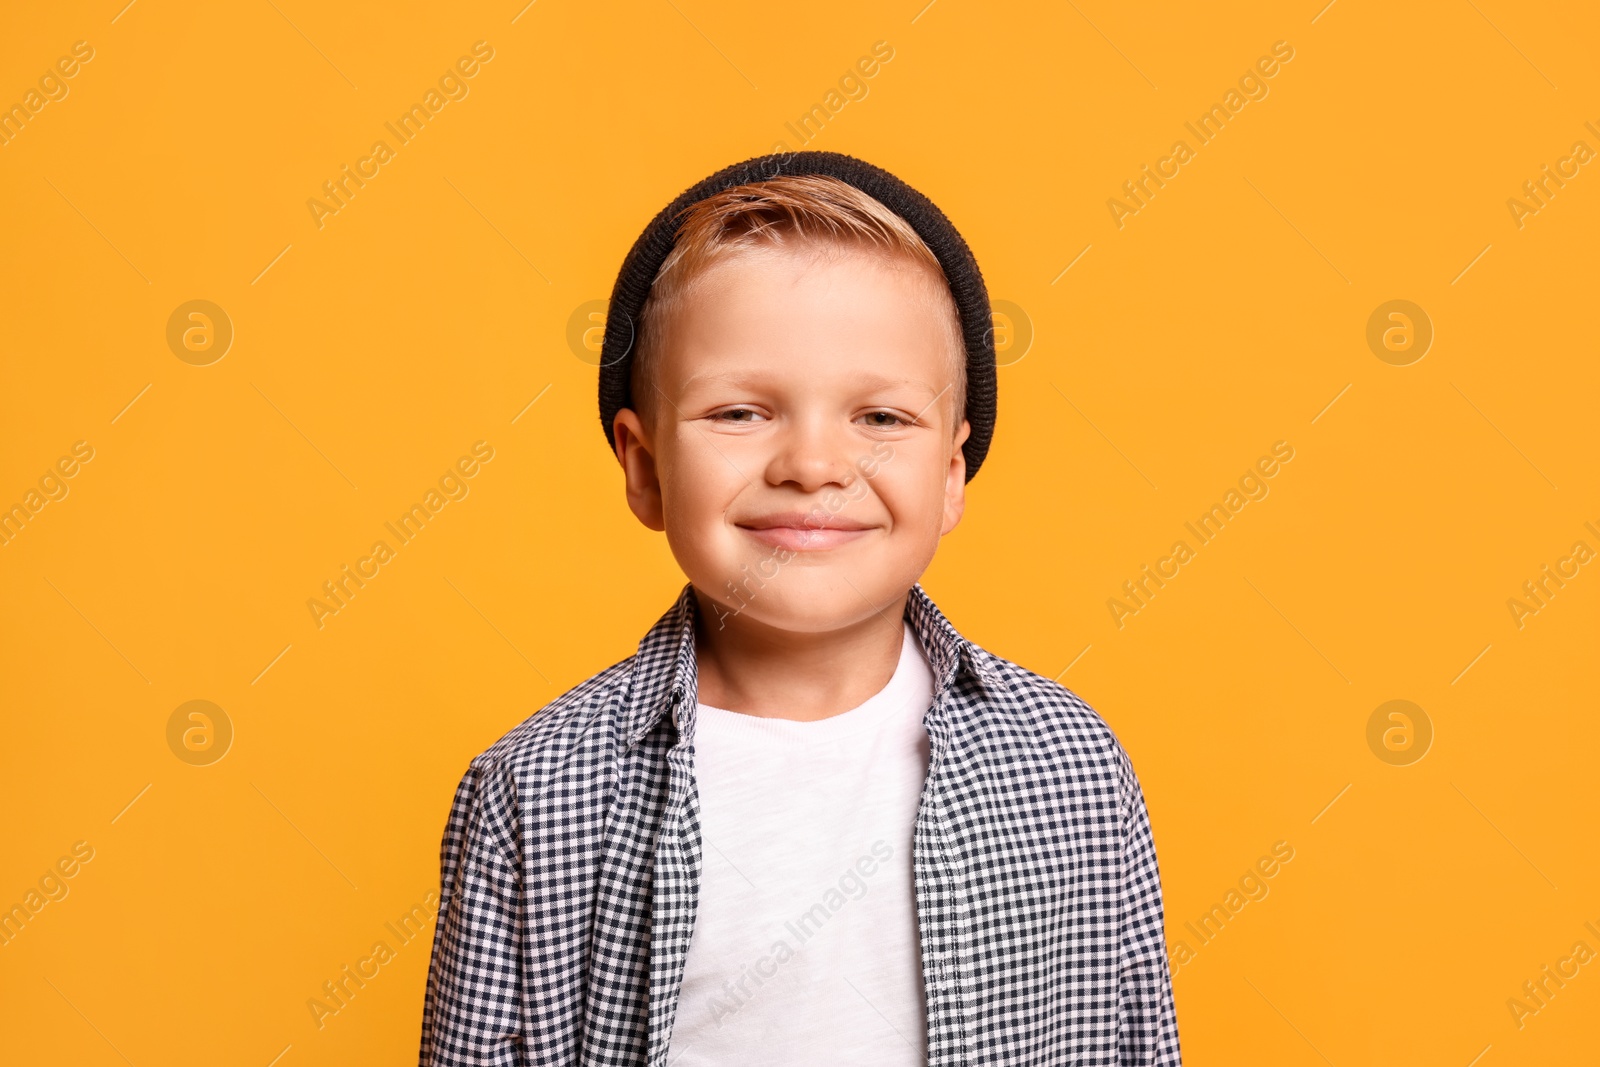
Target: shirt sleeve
(472, 1009)
(1147, 1022)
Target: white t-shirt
(805, 947)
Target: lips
(802, 531)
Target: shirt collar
(666, 672)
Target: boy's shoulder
(1058, 722)
(605, 708)
(1019, 715)
(561, 724)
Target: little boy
(807, 822)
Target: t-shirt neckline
(874, 711)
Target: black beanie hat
(644, 260)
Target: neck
(758, 669)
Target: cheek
(690, 501)
(699, 482)
(710, 465)
(911, 488)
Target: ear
(635, 452)
(955, 482)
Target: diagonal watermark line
(1469, 666)
(495, 628)
(1469, 266)
(124, 11)
(1513, 44)
(923, 12)
(1074, 263)
(918, 416)
(497, 230)
(1502, 433)
(1330, 404)
(130, 403)
(280, 1055)
(130, 804)
(96, 629)
(880, 1014)
(523, 12)
(302, 833)
(1074, 662)
(1108, 440)
(1324, 11)
(1502, 833)
(713, 44)
(1297, 229)
(1285, 1018)
(530, 404)
(271, 665)
(99, 231)
(308, 440)
(313, 44)
(1481, 1055)
(1330, 804)
(269, 266)
(707, 841)
(86, 1019)
(1113, 44)
(1297, 630)
(867, 600)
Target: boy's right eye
(732, 415)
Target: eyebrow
(866, 378)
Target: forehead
(813, 312)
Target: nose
(812, 452)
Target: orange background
(1229, 313)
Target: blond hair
(808, 212)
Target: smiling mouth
(805, 538)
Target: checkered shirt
(571, 863)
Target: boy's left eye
(892, 418)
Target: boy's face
(801, 446)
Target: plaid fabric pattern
(571, 862)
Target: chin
(806, 599)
